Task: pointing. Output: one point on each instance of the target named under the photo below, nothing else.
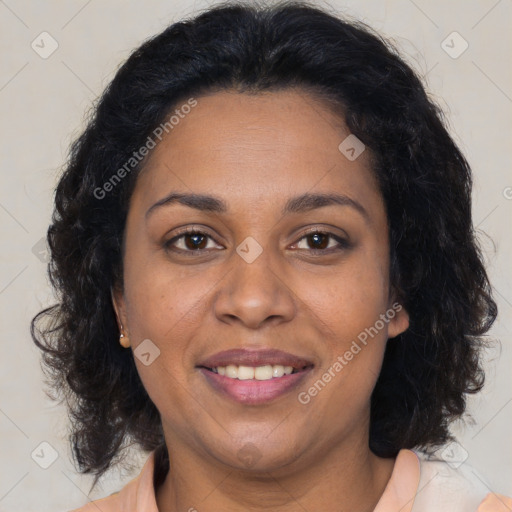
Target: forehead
(235, 124)
(257, 145)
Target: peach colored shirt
(416, 485)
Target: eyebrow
(300, 204)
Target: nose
(255, 293)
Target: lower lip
(254, 392)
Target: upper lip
(254, 357)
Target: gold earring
(123, 340)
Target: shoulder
(138, 494)
(453, 486)
(109, 504)
(495, 503)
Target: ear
(399, 319)
(118, 303)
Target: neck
(347, 477)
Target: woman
(268, 275)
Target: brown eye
(194, 241)
(189, 241)
(318, 240)
(323, 242)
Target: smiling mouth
(264, 372)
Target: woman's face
(258, 281)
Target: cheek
(160, 303)
(163, 307)
(351, 298)
(347, 309)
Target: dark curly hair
(436, 265)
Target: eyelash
(343, 243)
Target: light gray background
(43, 103)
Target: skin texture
(255, 152)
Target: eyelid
(325, 231)
(192, 230)
(342, 240)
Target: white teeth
(265, 372)
(232, 371)
(245, 373)
(277, 371)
